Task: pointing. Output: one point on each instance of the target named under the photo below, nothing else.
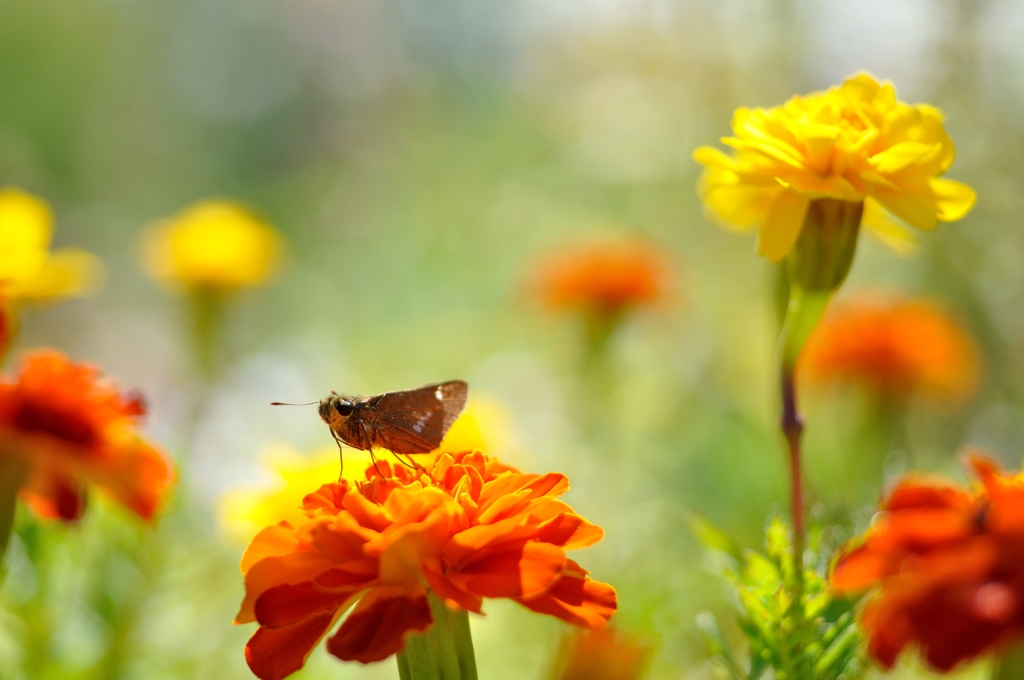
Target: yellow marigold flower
(483, 426)
(855, 143)
(212, 245)
(29, 271)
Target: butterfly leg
(398, 457)
(373, 458)
(341, 456)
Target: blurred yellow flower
(855, 143)
(29, 271)
(483, 426)
(212, 245)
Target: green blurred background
(420, 157)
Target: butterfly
(404, 422)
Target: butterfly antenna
(282, 403)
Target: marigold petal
(953, 199)
(339, 537)
(918, 493)
(576, 599)
(433, 571)
(734, 204)
(54, 495)
(137, 476)
(887, 228)
(273, 654)
(782, 225)
(379, 624)
(271, 541)
(273, 571)
(570, 531)
(64, 273)
(912, 208)
(290, 603)
(515, 571)
(859, 569)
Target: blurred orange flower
(604, 654)
(604, 279)
(896, 347)
(947, 564)
(67, 426)
(468, 528)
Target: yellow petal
(953, 199)
(888, 229)
(735, 204)
(711, 157)
(781, 227)
(909, 207)
(26, 227)
(900, 156)
(65, 273)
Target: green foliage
(810, 637)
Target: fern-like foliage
(813, 637)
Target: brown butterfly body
(405, 422)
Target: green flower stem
(207, 312)
(443, 652)
(816, 268)
(12, 473)
(1010, 664)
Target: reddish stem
(793, 427)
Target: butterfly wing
(415, 421)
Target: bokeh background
(420, 157)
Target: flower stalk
(442, 652)
(817, 266)
(12, 473)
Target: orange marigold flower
(604, 278)
(947, 564)
(467, 528)
(69, 427)
(604, 654)
(897, 347)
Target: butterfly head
(335, 410)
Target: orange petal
(288, 603)
(271, 541)
(859, 570)
(570, 531)
(273, 571)
(576, 599)
(377, 627)
(913, 493)
(54, 495)
(137, 476)
(273, 654)
(465, 544)
(516, 571)
(442, 587)
(339, 537)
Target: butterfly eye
(343, 408)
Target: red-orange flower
(604, 654)
(947, 564)
(467, 528)
(898, 348)
(604, 278)
(69, 427)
